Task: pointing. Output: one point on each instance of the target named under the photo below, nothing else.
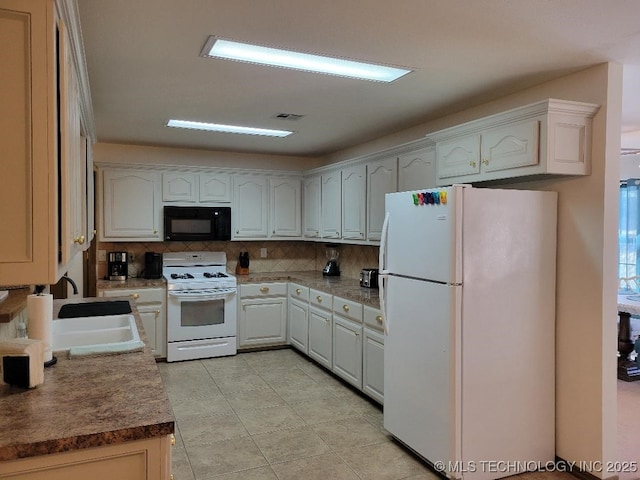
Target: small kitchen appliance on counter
(331, 269)
(242, 267)
(369, 277)
(117, 266)
(152, 265)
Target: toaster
(369, 277)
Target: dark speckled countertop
(85, 402)
(340, 286)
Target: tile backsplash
(282, 256)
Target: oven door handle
(203, 298)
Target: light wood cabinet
(131, 205)
(331, 205)
(548, 137)
(152, 307)
(148, 459)
(42, 202)
(263, 315)
(354, 202)
(382, 178)
(417, 170)
(311, 219)
(285, 212)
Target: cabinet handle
(298, 291)
(155, 231)
(135, 296)
(79, 240)
(264, 289)
(171, 477)
(173, 439)
(244, 306)
(319, 299)
(237, 232)
(95, 231)
(157, 312)
(274, 232)
(485, 162)
(379, 319)
(357, 334)
(345, 308)
(472, 164)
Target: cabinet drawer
(140, 295)
(263, 290)
(321, 299)
(373, 318)
(347, 308)
(298, 291)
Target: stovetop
(196, 270)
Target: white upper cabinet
(179, 187)
(417, 170)
(548, 137)
(250, 206)
(311, 191)
(285, 217)
(354, 202)
(331, 205)
(382, 178)
(131, 206)
(215, 187)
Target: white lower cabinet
(347, 350)
(299, 317)
(373, 364)
(151, 305)
(263, 315)
(320, 336)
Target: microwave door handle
(203, 298)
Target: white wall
(586, 305)
(137, 154)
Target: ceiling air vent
(288, 116)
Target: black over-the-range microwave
(197, 223)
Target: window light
(244, 52)
(215, 127)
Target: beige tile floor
(276, 415)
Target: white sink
(96, 335)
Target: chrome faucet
(73, 284)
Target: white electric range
(201, 305)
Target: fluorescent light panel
(244, 52)
(215, 127)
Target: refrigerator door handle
(382, 254)
(383, 309)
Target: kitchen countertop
(13, 304)
(131, 283)
(344, 287)
(86, 402)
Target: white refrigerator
(467, 287)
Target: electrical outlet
(263, 253)
(102, 255)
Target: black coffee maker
(152, 265)
(117, 266)
(331, 269)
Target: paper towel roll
(40, 321)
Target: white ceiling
(144, 64)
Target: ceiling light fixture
(215, 127)
(244, 52)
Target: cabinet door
(347, 350)
(312, 207)
(354, 202)
(215, 187)
(263, 321)
(299, 325)
(511, 146)
(373, 365)
(417, 170)
(250, 201)
(285, 207)
(320, 336)
(149, 316)
(458, 156)
(331, 201)
(179, 187)
(382, 178)
(28, 206)
(132, 209)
